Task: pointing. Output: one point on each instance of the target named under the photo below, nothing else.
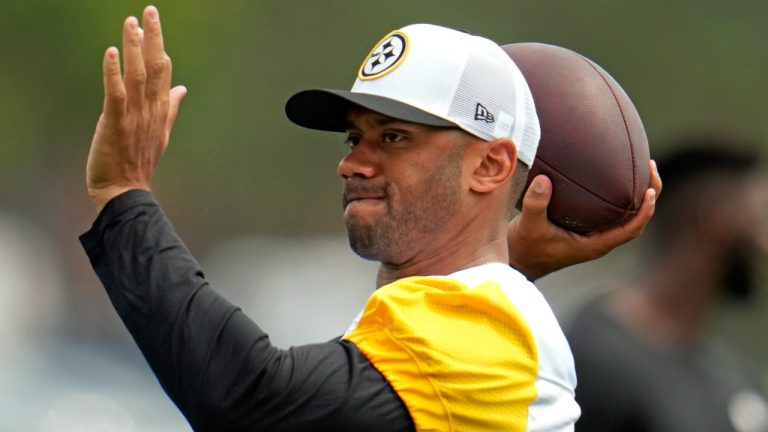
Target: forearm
(160, 293)
(214, 362)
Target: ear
(498, 160)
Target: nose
(360, 161)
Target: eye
(391, 137)
(351, 141)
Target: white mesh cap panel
(487, 91)
(492, 100)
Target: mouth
(357, 196)
(358, 200)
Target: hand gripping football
(593, 145)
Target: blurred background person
(645, 359)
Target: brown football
(593, 145)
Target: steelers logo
(385, 57)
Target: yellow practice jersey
(477, 350)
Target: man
(427, 192)
(643, 357)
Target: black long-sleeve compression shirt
(214, 362)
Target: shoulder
(485, 329)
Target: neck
(470, 246)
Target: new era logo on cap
(436, 76)
(481, 113)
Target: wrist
(101, 196)
(530, 270)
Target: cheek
(403, 176)
(413, 179)
(434, 185)
(420, 176)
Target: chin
(365, 244)
(361, 238)
(366, 251)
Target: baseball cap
(436, 76)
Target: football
(593, 145)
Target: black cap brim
(327, 109)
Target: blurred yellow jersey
(477, 350)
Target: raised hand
(139, 111)
(537, 247)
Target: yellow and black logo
(385, 57)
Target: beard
(743, 268)
(406, 226)
(740, 275)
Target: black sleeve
(216, 364)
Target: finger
(114, 90)
(176, 96)
(135, 73)
(156, 62)
(645, 213)
(638, 222)
(635, 226)
(656, 183)
(165, 81)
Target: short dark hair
(693, 167)
(519, 179)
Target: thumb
(537, 197)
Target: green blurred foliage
(236, 165)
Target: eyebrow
(381, 120)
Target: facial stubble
(400, 231)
